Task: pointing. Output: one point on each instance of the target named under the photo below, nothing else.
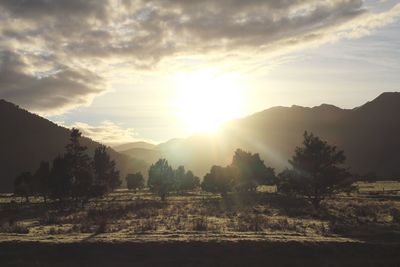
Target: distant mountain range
(369, 135)
(26, 139)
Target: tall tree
(81, 168)
(317, 171)
(250, 171)
(161, 178)
(106, 176)
(218, 180)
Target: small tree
(250, 171)
(41, 180)
(161, 178)
(106, 176)
(316, 171)
(134, 181)
(218, 180)
(185, 181)
(23, 185)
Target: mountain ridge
(276, 131)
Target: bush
(146, 225)
(49, 218)
(134, 181)
(16, 228)
(200, 224)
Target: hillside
(368, 134)
(26, 139)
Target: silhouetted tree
(285, 182)
(250, 171)
(41, 180)
(134, 181)
(161, 178)
(81, 168)
(106, 176)
(218, 180)
(60, 184)
(316, 171)
(185, 180)
(23, 185)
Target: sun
(207, 99)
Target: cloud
(106, 132)
(81, 44)
(53, 90)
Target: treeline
(163, 179)
(316, 172)
(73, 175)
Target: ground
(362, 227)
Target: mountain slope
(26, 139)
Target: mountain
(148, 155)
(26, 139)
(369, 136)
(133, 145)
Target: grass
(381, 187)
(125, 215)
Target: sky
(124, 71)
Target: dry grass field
(125, 219)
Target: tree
(317, 171)
(185, 180)
(60, 184)
(250, 171)
(41, 180)
(134, 181)
(106, 176)
(81, 168)
(218, 180)
(23, 185)
(161, 178)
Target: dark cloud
(50, 91)
(144, 32)
(38, 10)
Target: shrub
(134, 181)
(200, 224)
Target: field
(364, 223)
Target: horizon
(87, 133)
